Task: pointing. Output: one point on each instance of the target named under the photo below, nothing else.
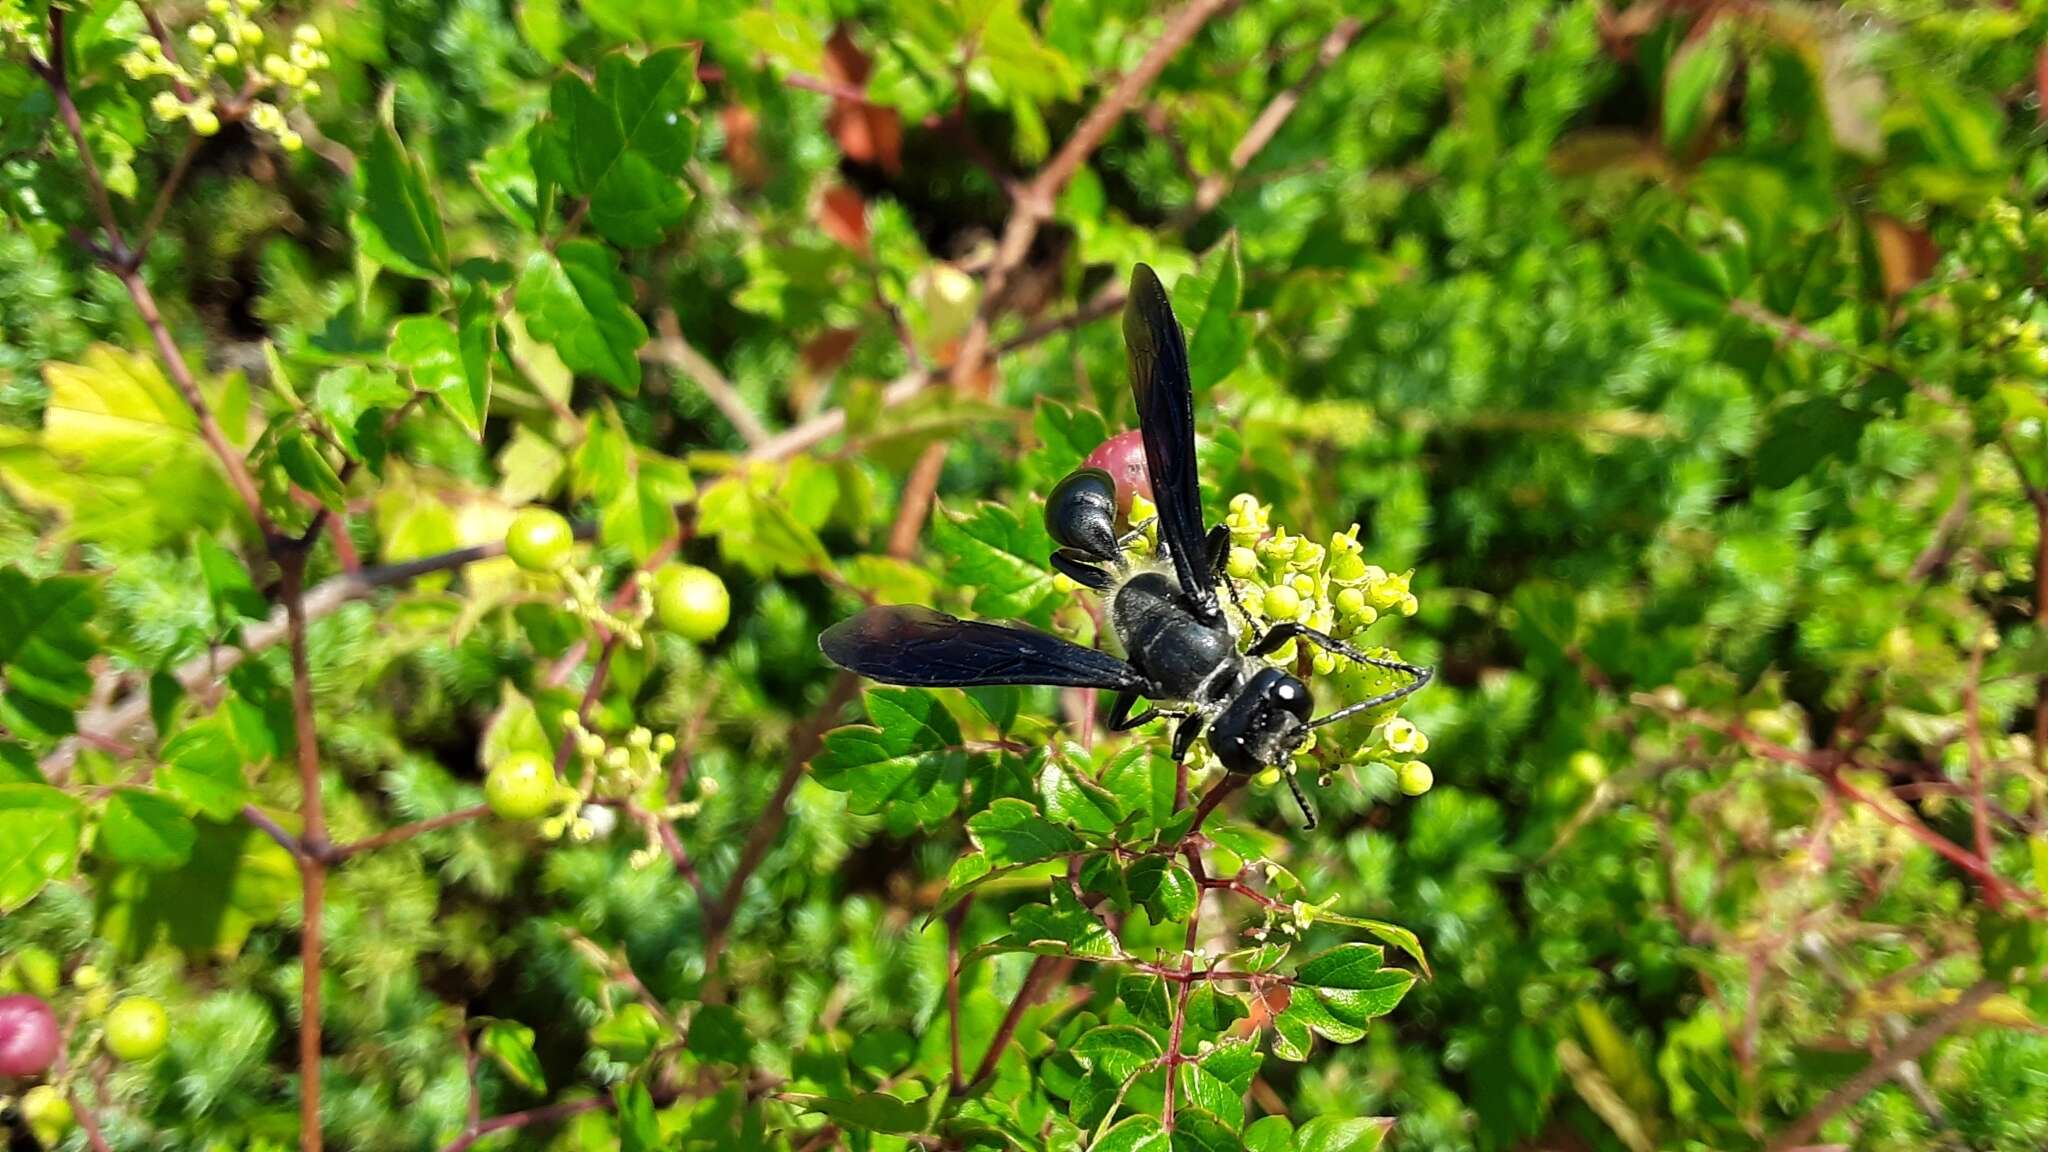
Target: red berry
(28, 1036)
(1123, 457)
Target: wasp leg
(1281, 634)
(1218, 547)
(1308, 811)
(1075, 566)
(1184, 737)
(1120, 718)
(1136, 533)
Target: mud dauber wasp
(1182, 650)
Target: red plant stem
(511, 1121)
(1007, 1030)
(803, 743)
(313, 861)
(1801, 1132)
(406, 832)
(954, 919)
(1973, 738)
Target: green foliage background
(1689, 354)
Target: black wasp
(1182, 650)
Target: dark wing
(1166, 416)
(906, 644)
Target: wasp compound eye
(1081, 513)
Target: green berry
(39, 968)
(48, 1114)
(1414, 777)
(539, 540)
(691, 602)
(136, 1029)
(1281, 602)
(522, 786)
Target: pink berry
(28, 1036)
(1123, 457)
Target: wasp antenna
(1308, 812)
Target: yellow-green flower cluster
(618, 775)
(586, 601)
(230, 57)
(1276, 577)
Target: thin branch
(954, 919)
(1209, 193)
(677, 353)
(803, 743)
(110, 722)
(1006, 1030)
(1801, 1132)
(274, 830)
(1973, 741)
(165, 195)
(405, 832)
(312, 862)
(1033, 207)
(511, 1121)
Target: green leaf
(46, 646)
(1203, 1090)
(228, 585)
(623, 144)
(430, 349)
(872, 1111)
(1221, 337)
(1678, 275)
(1073, 799)
(717, 1033)
(1345, 966)
(998, 553)
(1163, 886)
(353, 400)
(1062, 928)
(1269, 1134)
(913, 744)
(141, 827)
(1211, 1009)
(1133, 1134)
(1382, 994)
(237, 878)
(630, 1033)
(1011, 831)
(577, 300)
(1393, 934)
(397, 223)
(308, 468)
(1117, 1050)
(202, 765)
(1694, 86)
(1804, 434)
(640, 519)
(1339, 1134)
(639, 1129)
(120, 455)
(509, 1044)
(1199, 1131)
(40, 827)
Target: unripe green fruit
(691, 602)
(1414, 777)
(40, 970)
(48, 1113)
(539, 540)
(1282, 602)
(136, 1029)
(522, 786)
